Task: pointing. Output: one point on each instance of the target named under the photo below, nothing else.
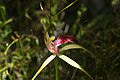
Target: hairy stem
(56, 68)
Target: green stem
(0, 76)
(56, 68)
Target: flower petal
(46, 62)
(64, 39)
(75, 46)
(52, 48)
(73, 63)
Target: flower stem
(56, 68)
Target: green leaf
(73, 63)
(74, 46)
(10, 46)
(4, 68)
(46, 62)
(7, 21)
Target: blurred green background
(95, 23)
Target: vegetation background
(95, 23)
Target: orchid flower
(53, 44)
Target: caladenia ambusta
(53, 44)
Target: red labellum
(53, 46)
(64, 39)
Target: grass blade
(10, 46)
(7, 21)
(65, 8)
